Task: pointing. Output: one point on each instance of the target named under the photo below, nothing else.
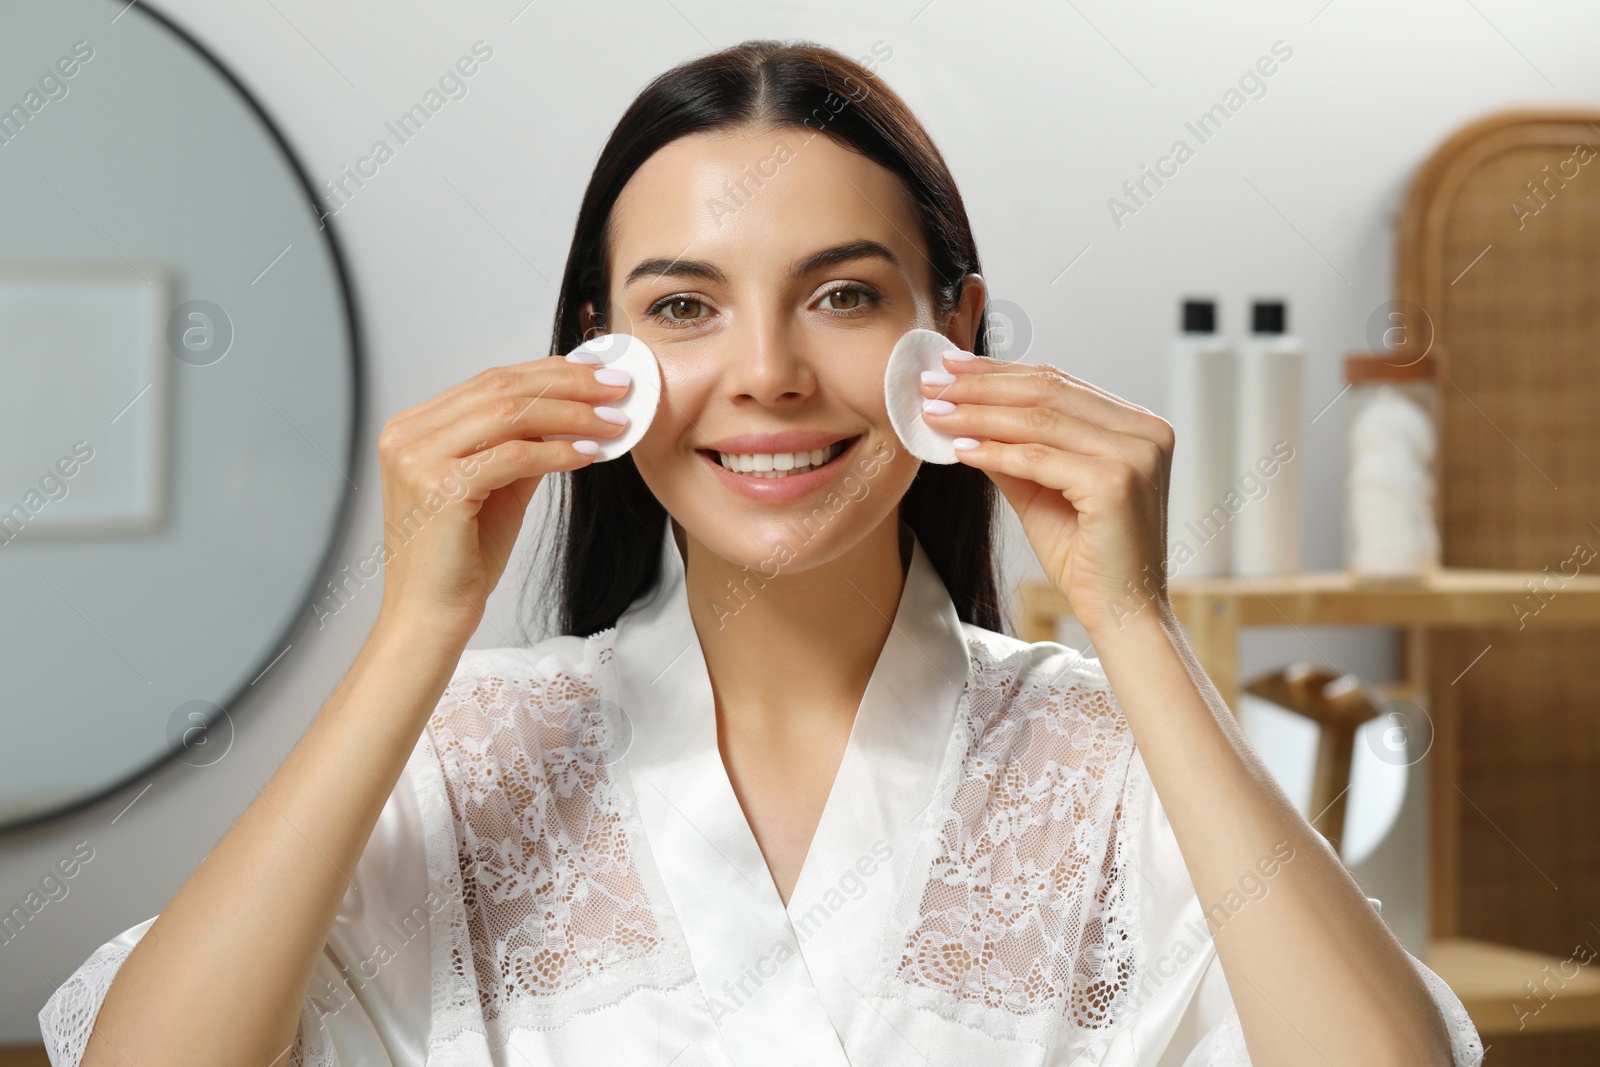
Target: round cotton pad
(915, 352)
(627, 353)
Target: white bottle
(1268, 498)
(1200, 405)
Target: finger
(555, 377)
(510, 461)
(510, 418)
(1051, 427)
(1074, 474)
(465, 385)
(999, 366)
(1026, 383)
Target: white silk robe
(563, 876)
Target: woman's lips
(779, 490)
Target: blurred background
(215, 287)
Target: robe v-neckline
(785, 984)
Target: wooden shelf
(1213, 610)
(1448, 597)
(1492, 982)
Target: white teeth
(778, 464)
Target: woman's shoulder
(1038, 676)
(512, 715)
(496, 681)
(1030, 847)
(535, 663)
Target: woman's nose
(767, 361)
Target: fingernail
(958, 355)
(612, 376)
(588, 448)
(938, 407)
(964, 443)
(578, 355)
(938, 377)
(610, 414)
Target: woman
(795, 798)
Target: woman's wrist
(1154, 621)
(426, 649)
(394, 684)
(418, 627)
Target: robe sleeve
(1222, 1045)
(369, 999)
(1186, 1010)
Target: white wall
(1043, 111)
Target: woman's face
(771, 272)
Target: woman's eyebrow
(828, 257)
(850, 250)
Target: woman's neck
(797, 649)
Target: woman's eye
(665, 310)
(853, 297)
(845, 300)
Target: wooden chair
(1506, 990)
(1339, 706)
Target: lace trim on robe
(539, 851)
(1025, 923)
(69, 1014)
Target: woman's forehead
(754, 200)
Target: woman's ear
(966, 320)
(590, 322)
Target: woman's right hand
(458, 471)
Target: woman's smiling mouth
(777, 468)
(780, 464)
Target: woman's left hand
(1085, 470)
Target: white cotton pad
(915, 352)
(627, 353)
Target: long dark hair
(613, 526)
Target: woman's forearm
(1316, 975)
(220, 976)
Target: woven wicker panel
(1514, 294)
(1520, 335)
(1542, 1050)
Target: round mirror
(179, 373)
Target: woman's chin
(772, 546)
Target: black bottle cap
(1199, 316)
(1269, 316)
